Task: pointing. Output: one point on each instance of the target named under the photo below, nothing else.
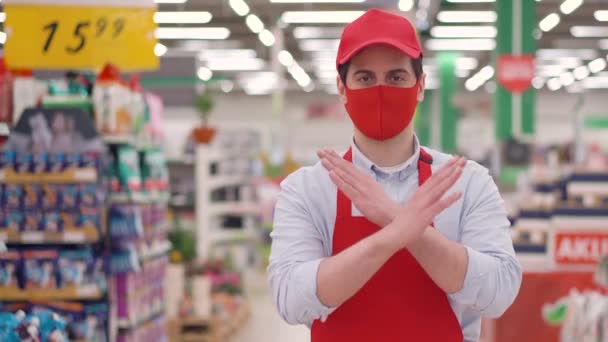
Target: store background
(275, 103)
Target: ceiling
(244, 60)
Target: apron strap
(425, 160)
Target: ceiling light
(314, 1)
(589, 31)
(569, 6)
(340, 17)
(462, 1)
(236, 64)
(581, 72)
(467, 16)
(463, 31)
(2, 37)
(2, 17)
(461, 44)
(267, 38)
(160, 49)
(319, 44)
(285, 58)
(597, 82)
(566, 78)
(486, 72)
(254, 23)
(603, 44)
(170, 1)
(601, 15)
(192, 33)
(406, 5)
(472, 84)
(227, 86)
(549, 22)
(207, 54)
(550, 70)
(554, 84)
(239, 7)
(597, 65)
(538, 82)
(204, 73)
(304, 32)
(310, 87)
(569, 53)
(462, 73)
(331, 74)
(466, 63)
(182, 17)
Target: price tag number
(83, 31)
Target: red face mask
(381, 112)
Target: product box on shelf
(10, 263)
(40, 269)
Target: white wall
(555, 120)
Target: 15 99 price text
(83, 32)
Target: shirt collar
(362, 162)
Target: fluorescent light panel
(239, 7)
(254, 23)
(589, 31)
(601, 15)
(466, 16)
(304, 32)
(182, 17)
(406, 5)
(304, 17)
(266, 37)
(556, 53)
(315, 1)
(192, 33)
(549, 22)
(554, 84)
(319, 44)
(463, 31)
(567, 79)
(171, 1)
(236, 64)
(569, 6)
(597, 65)
(603, 44)
(227, 53)
(204, 73)
(2, 17)
(581, 72)
(460, 44)
(2, 37)
(160, 49)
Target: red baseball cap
(378, 27)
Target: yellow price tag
(48, 36)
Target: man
(371, 246)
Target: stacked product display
(83, 192)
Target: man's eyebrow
(393, 71)
(363, 71)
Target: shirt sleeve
(494, 274)
(296, 252)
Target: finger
(433, 195)
(347, 178)
(443, 204)
(345, 187)
(443, 172)
(347, 167)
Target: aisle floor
(265, 324)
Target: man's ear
(421, 86)
(341, 89)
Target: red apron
(399, 303)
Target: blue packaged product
(9, 269)
(14, 220)
(33, 221)
(55, 162)
(32, 197)
(87, 322)
(90, 218)
(40, 269)
(13, 196)
(88, 195)
(69, 197)
(39, 162)
(2, 196)
(3, 221)
(7, 160)
(69, 220)
(72, 160)
(76, 267)
(89, 160)
(52, 222)
(51, 196)
(23, 162)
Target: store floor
(265, 324)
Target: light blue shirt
(304, 221)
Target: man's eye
(397, 79)
(364, 79)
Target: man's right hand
(428, 201)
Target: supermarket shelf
(91, 292)
(155, 251)
(125, 324)
(68, 236)
(234, 208)
(79, 175)
(139, 197)
(222, 181)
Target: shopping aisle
(265, 324)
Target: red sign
(573, 248)
(515, 73)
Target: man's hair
(416, 64)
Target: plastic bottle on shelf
(111, 98)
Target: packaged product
(40, 269)
(51, 194)
(33, 221)
(9, 268)
(111, 99)
(13, 196)
(32, 197)
(128, 169)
